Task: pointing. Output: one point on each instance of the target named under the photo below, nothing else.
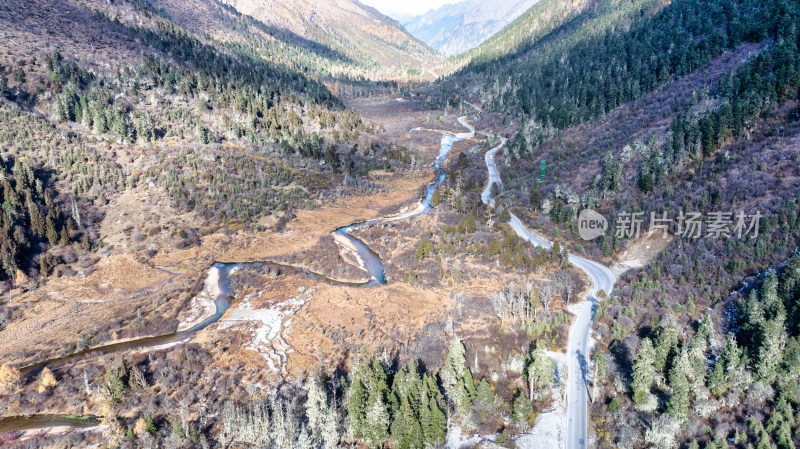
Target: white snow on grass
(549, 432)
(456, 439)
(267, 324)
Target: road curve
(578, 352)
(578, 347)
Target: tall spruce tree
(770, 352)
(666, 342)
(432, 415)
(357, 409)
(376, 430)
(454, 379)
(643, 372)
(522, 411)
(751, 319)
(773, 306)
(678, 405)
(541, 369)
(322, 415)
(726, 370)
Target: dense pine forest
(616, 53)
(33, 220)
(731, 382)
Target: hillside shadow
(290, 38)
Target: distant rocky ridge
(348, 26)
(456, 28)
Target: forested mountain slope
(117, 96)
(611, 54)
(331, 37)
(538, 21)
(664, 109)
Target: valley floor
(277, 321)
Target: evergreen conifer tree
(678, 405)
(376, 430)
(643, 372)
(322, 416)
(522, 411)
(541, 370)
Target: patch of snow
(547, 434)
(577, 307)
(559, 357)
(456, 439)
(267, 325)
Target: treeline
(272, 114)
(768, 81)
(743, 96)
(222, 72)
(305, 56)
(523, 32)
(406, 408)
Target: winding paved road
(578, 347)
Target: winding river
(216, 275)
(372, 261)
(217, 283)
(34, 422)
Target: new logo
(591, 224)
